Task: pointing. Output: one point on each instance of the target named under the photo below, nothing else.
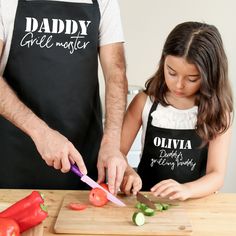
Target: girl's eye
(193, 80)
(172, 73)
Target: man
(49, 92)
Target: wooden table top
(212, 215)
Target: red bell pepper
(31, 216)
(9, 227)
(24, 203)
(27, 212)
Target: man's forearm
(17, 112)
(115, 99)
(114, 69)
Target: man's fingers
(57, 164)
(65, 164)
(112, 177)
(49, 162)
(75, 155)
(101, 173)
(119, 177)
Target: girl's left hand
(171, 189)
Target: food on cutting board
(138, 217)
(77, 206)
(27, 212)
(98, 197)
(104, 186)
(162, 206)
(9, 227)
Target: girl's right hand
(171, 189)
(131, 183)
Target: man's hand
(132, 182)
(112, 159)
(113, 65)
(57, 151)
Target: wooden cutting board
(35, 231)
(114, 220)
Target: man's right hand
(57, 151)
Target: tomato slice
(98, 197)
(77, 206)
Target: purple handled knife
(94, 184)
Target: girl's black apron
(52, 67)
(170, 154)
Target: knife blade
(143, 199)
(93, 184)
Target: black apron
(170, 154)
(52, 67)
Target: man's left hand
(113, 160)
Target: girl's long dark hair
(199, 44)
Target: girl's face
(182, 79)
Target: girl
(185, 112)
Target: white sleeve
(1, 24)
(110, 29)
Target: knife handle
(76, 170)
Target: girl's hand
(171, 189)
(131, 183)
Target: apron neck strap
(153, 108)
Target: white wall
(146, 25)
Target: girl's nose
(180, 83)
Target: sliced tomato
(98, 197)
(77, 206)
